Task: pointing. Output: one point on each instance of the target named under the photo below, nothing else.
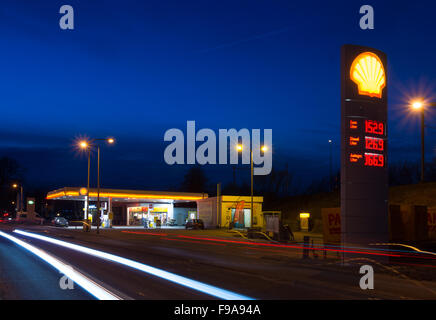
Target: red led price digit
(380, 128)
(374, 127)
(374, 160)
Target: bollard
(315, 254)
(306, 247)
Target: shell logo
(83, 191)
(368, 73)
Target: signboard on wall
(364, 137)
(331, 224)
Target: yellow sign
(368, 73)
(159, 210)
(304, 215)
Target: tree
(195, 180)
(10, 172)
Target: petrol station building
(136, 207)
(131, 207)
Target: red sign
(239, 213)
(372, 143)
(374, 127)
(374, 160)
(331, 221)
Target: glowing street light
(20, 202)
(419, 106)
(264, 148)
(83, 144)
(87, 145)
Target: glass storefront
(136, 215)
(149, 215)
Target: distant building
(226, 211)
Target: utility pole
(252, 207)
(98, 189)
(422, 145)
(330, 166)
(87, 225)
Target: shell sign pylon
(364, 146)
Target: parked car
(194, 224)
(60, 222)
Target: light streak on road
(87, 284)
(190, 283)
(416, 253)
(289, 246)
(407, 246)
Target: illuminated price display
(374, 127)
(372, 143)
(364, 136)
(374, 160)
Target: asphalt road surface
(253, 270)
(25, 276)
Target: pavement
(258, 268)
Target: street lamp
(264, 148)
(15, 186)
(419, 107)
(88, 145)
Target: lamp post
(85, 145)
(15, 186)
(419, 106)
(264, 148)
(88, 145)
(330, 165)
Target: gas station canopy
(79, 194)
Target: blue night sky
(133, 69)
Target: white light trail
(87, 284)
(192, 284)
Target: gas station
(132, 207)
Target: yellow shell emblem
(368, 73)
(83, 191)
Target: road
(24, 276)
(255, 270)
